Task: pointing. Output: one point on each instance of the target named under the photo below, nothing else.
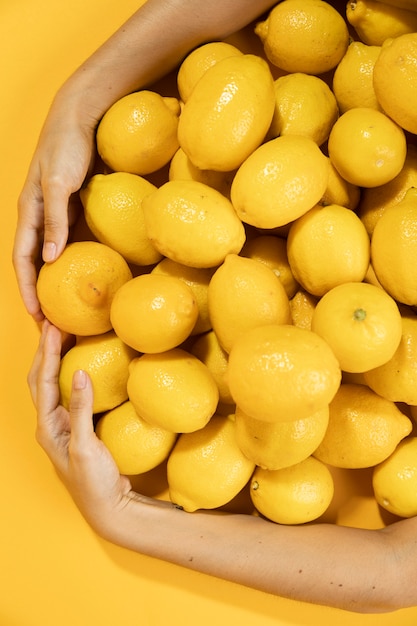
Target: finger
(81, 409)
(56, 199)
(32, 377)
(47, 387)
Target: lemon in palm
(106, 358)
(154, 313)
(353, 77)
(138, 133)
(135, 446)
(293, 495)
(113, 212)
(394, 481)
(173, 390)
(193, 224)
(206, 469)
(282, 372)
(228, 113)
(279, 181)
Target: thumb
(55, 222)
(81, 408)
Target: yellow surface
(54, 570)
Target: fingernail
(49, 251)
(80, 379)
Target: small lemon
(328, 246)
(208, 349)
(281, 373)
(280, 444)
(374, 21)
(113, 212)
(192, 224)
(394, 481)
(173, 390)
(154, 313)
(361, 323)
(136, 446)
(339, 191)
(367, 147)
(228, 113)
(279, 181)
(106, 358)
(138, 133)
(181, 168)
(302, 306)
(304, 36)
(364, 428)
(293, 495)
(206, 469)
(243, 294)
(76, 291)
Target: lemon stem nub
(359, 315)
(255, 485)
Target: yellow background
(54, 570)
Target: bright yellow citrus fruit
(106, 358)
(279, 181)
(304, 105)
(293, 495)
(208, 349)
(153, 312)
(76, 291)
(243, 294)
(396, 380)
(135, 446)
(173, 390)
(339, 191)
(395, 80)
(181, 168)
(206, 469)
(193, 224)
(198, 61)
(304, 36)
(367, 147)
(353, 77)
(113, 212)
(361, 323)
(328, 246)
(228, 113)
(394, 481)
(197, 279)
(394, 249)
(138, 133)
(274, 445)
(364, 428)
(281, 373)
(302, 306)
(375, 22)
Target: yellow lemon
(279, 181)
(208, 349)
(304, 36)
(181, 168)
(304, 105)
(173, 390)
(396, 380)
(135, 446)
(364, 428)
(282, 372)
(272, 251)
(395, 80)
(302, 306)
(193, 224)
(328, 246)
(197, 279)
(198, 61)
(228, 113)
(138, 134)
(339, 191)
(374, 21)
(274, 445)
(366, 147)
(394, 249)
(106, 359)
(154, 313)
(394, 481)
(353, 77)
(375, 200)
(293, 495)
(361, 323)
(113, 212)
(206, 469)
(76, 291)
(243, 294)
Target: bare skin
(366, 571)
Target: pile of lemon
(243, 289)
